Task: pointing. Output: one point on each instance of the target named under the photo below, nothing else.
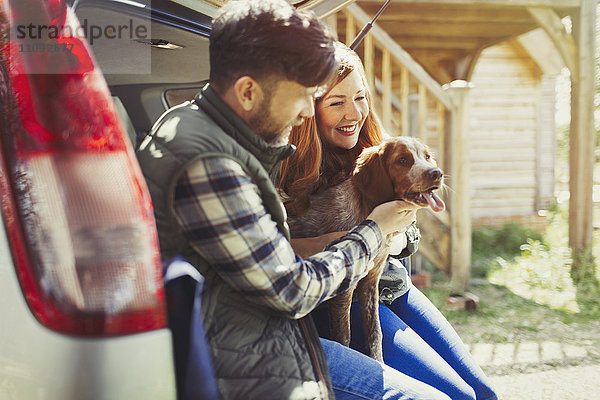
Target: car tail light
(76, 208)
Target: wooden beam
(400, 55)
(457, 158)
(441, 123)
(396, 103)
(422, 111)
(582, 138)
(440, 42)
(539, 46)
(466, 65)
(437, 65)
(369, 60)
(504, 3)
(548, 20)
(386, 98)
(350, 28)
(404, 92)
(324, 8)
(332, 23)
(435, 238)
(419, 12)
(485, 29)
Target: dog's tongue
(435, 202)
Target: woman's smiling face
(342, 112)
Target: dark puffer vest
(257, 354)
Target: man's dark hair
(269, 39)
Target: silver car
(85, 312)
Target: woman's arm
(306, 247)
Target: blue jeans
(415, 321)
(357, 376)
(420, 343)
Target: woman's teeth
(347, 129)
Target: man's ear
(247, 92)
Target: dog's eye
(427, 157)
(402, 160)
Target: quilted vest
(257, 354)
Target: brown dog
(399, 168)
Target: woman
(417, 339)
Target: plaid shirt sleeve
(221, 213)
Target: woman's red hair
(316, 166)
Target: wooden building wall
(512, 133)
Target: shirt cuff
(367, 232)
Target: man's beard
(262, 123)
(280, 140)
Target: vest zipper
(315, 359)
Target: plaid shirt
(222, 214)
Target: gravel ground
(575, 376)
(528, 350)
(562, 383)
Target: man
(208, 165)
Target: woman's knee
(464, 392)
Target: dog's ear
(371, 176)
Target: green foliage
(538, 266)
(492, 243)
(530, 292)
(542, 269)
(562, 145)
(541, 273)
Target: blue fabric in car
(193, 366)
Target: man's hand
(394, 216)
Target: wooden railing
(411, 103)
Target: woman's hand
(394, 216)
(306, 247)
(398, 243)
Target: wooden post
(582, 136)
(369, 60)
(413, 115)
(350, 28)
(386, 98)
(332, 23)
(457, 159)
(422, 112)
(404, 91)
(441, 134)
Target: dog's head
(400, 168)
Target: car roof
(175, 48)
(137, 58)
(320, 7)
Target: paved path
(509, 354)
(562, 383)
(540, 370)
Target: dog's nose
(434, 174)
